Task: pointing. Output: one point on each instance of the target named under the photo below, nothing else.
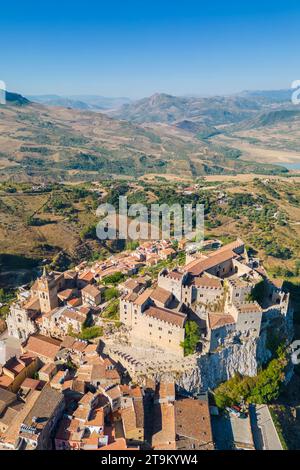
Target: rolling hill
(41, 143)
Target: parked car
(233, 412)
(236, 408)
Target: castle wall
(217, 336)
(249, 322)
(170, 284)
(207, 295)
(157, 333)
(238, 293)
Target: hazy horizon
(159, 92)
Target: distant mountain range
(210, 111)
(273, 96)
(83, 102)
(162, 134)
(162, 107)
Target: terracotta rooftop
(31, 383)
(167, 251)
(113, 393)
(160, 295)
(91, 349)
(58, 378)
(75, 302)
(238, 243)
(217, 320)
(129, 419)
(79, 346)
(5, 381)
(32, 304)
(43, 346)
(198, 267)
(163, 434)
(68, 342)
(96, 417)
(70, 274)
(11, 435)
(74, 315)
(6, 397)
(168, 316)
(132, 391)
(91, 290)
(48, 368)
(66, 294)
(16, 365)
(118, 444)
(81, 413)
(44, 407)
(165, 390)
(131, 284)
(192, 421)
(70, 429)
(87, 276)
(8, 416)
(130, 297)
(175, 275)
(141, 299)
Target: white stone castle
(212, 289)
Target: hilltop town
(121, 354)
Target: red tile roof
(168, 316)
(160, 295)
(198, 267)
(217, 320)
(43, 346)
(192, 421)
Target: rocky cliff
(212, 369)
(202, 372)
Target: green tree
(111, 293)
(263, 388)
(114, 278)
(192, 337)
(90, 332)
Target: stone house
(46, 349)
(15, 371)
(37, 428)
(132, 414)
(92, 295)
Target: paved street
(264, 432)
(231, 432)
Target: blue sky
(136, 48)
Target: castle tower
(47, 292)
